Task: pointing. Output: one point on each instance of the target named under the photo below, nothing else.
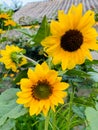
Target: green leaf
(9, 109)
(17, 112)
(8, 96)
(84, 101)
(79, 111)
(22, 74)
(9, 125)
(94, 76)
(3, 39)
(2, 120)
(88, 128)
(88, 62)
(92, 117)
(75, 72)
(43, 31)
(25, 32)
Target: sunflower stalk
(31, 60)
(54, 120)
(47, 121)
(68, 125)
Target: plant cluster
(49, 79)
(6, 21)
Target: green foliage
(77, 72)
(92, 117)
(80, 110)
(9, 109)
(9, 125)
(96, 17)
(43, 31)
(22, 74)
(29, 123)
(94, 76)
(84, 101)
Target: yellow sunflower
(9, 57)
(4, 16)
(10, 22)
(72, 37)
(42, 90)
(2, 31)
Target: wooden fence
(36, 10)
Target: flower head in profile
(11, 57)
(4, 16)
(42, 90)
(2, 31)
(10, 22)
(72, 37)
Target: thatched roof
(36, 10)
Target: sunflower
(42, 90)
(72, 37)
(2, 31)
(4, 16)
(10, 58)
(10, 22)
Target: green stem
(54, 120)
(31, 60)
(70, 110)
(47, 122)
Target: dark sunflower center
(42, 90)
(71, 40)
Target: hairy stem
(68, 125)
(47, 122)
(31, 60)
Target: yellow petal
(26, 83)
(34, 107)
(24, 94)
(56, 28)
(32, 76)
(45, 67)
(49, 41)
(51, 76)
(61, 86)
(87, 20)
(63, 19)
(76, 13)
(23, 100)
